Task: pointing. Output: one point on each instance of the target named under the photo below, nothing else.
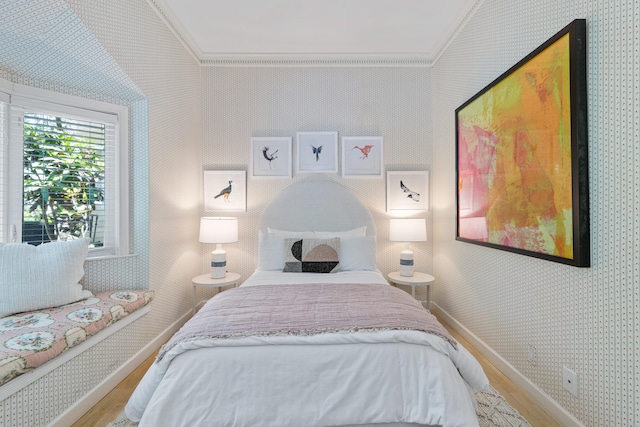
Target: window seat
(49, 337)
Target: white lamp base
(218, 264)
(406, 263)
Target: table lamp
(407, 230)
(218, 230)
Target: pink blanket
(307, 310)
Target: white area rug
(493, 411)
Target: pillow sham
(359, 231)
(358, 253)
(356, 232)
(311, 255)
(35, 277)
(290, 234)
(270, 251)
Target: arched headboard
(316, 206)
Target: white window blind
(4, 143)
(61, 175)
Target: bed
(296, 347)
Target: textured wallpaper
(186, 118)
(121, 52)
(392, 102)
(584, 319)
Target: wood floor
(113, 403)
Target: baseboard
(89, 400)
(547, 402)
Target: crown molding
(316, 60)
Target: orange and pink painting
(514, 154)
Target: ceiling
(315, 29)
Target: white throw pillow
(35, 277)
(358, 253)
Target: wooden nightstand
(418, 279)
(205, 281)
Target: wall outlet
(570, 381)
(532, 355)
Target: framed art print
(317, 152)
(271, 157)
(522, 179)
(225, 191)
(407, 191)
(361, 156)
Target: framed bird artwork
(225, 191)
(361, 156)
(271, 157)
(317, 152)
(407, 191)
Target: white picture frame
(271, 157)
(407, 191)
(317, 152)
(215, 198)
(361, 156)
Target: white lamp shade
(407, 230)
(218, 230)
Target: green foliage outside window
(63, 175)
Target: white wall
(585, 319)
(119, 51)
(392, 102)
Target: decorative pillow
(35, 277)
(311, 255)
(358, 253)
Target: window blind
(4, 143)
(64, 177)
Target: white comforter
(318, 380)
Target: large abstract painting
(521, 149)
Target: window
(63, 164)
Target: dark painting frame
(522, 181)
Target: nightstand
(418, 279)
(205, 281)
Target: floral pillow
(311, 255)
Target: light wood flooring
(113, 403)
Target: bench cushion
(29, 339)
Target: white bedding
(381, 377)
(278, 278)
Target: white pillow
(358, 253)
(286, 234)
(360, 231)
(270, 251)
(271, 244)
(35, 277)
(356, 232)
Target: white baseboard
(547, 402)
(86, 402)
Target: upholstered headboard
(316, 206)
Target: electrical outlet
(532, 355)
(570, 381)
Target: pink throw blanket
(307, 310)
